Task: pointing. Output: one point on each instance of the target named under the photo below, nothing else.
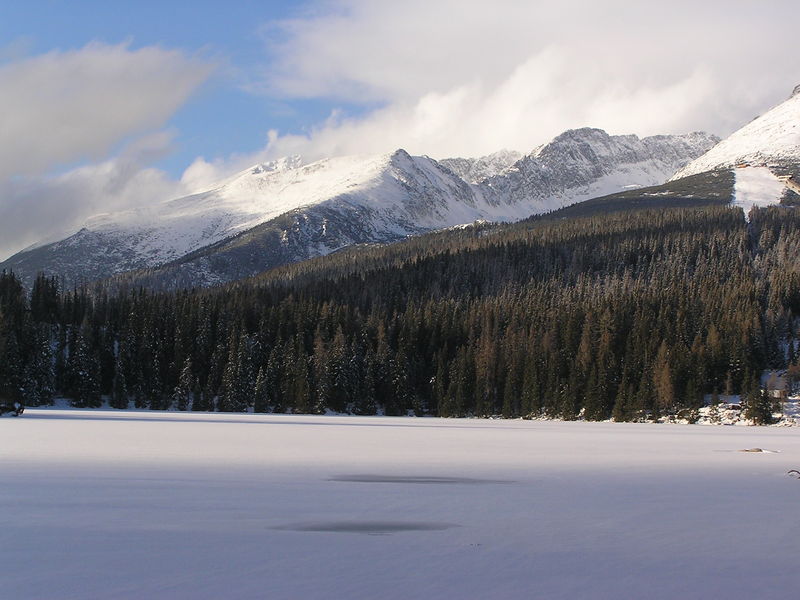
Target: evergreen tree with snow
(119, 391)
(83, 370)
(182, 394)
(757, 404)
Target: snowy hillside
(291, 211)
(771, 139)
(397, 194)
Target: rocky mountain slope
(475, 170)
(586, 163)
(286, 211)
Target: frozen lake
(151, 505)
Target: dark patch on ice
(415, 479)
(367, 527)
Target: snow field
(756, 186)
(108, 504)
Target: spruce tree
(261, 392)
(757, 404)
(182, 395)
(119, 392)
(662, 381)
(83, 369)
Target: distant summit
(288, 210)
(771, 140)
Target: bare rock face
(795, 91)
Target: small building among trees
(776, 384)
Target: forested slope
(630, 315)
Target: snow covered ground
(109, 504)
(756, 186)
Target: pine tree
(440, 385)
(301, 385)
(273, 376)
(182, 395)
(713, 411)
(531, 394)
(119, 392)
(38, 381)
(83, 370)
(199, 399)
(233, 395)
(757, 404)
(662, 380)
(622, 410)
(365, 403)
(261, 393)
(10, 365)
(339, 373)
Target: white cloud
(51, 207)
(68, 107)
(460, 78)
(62, 107)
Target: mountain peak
(284, 210)
(583, 139)
(279, 164)
(582, 134)
(475, 170)
(400, 153)
(771, 139)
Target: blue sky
(221, 118)
(107, 106)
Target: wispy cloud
(457, 78)
(61, 107)
(79, 106)
(44, 207)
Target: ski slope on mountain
(161, 505)
(756, 186)
(772, 139)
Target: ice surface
(152, 505)
(756, 186)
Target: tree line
(626, 316)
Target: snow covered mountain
(581, 164)
(772, 140)
(285, 211)
(475, 170)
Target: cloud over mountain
(64, 108)
(453, 78)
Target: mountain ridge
(295, 210)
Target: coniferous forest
(628, 316)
